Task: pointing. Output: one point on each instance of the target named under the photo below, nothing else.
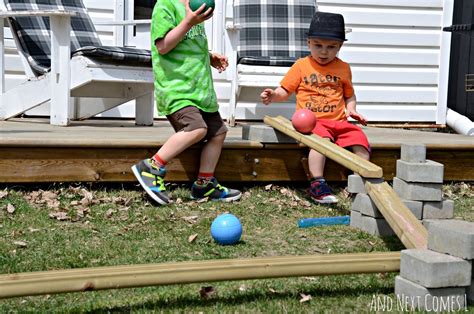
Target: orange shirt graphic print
(321, 89)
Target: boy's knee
(199, 133)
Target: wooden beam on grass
(340, 155)
(407, 227)
(116, 277)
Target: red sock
(158, 161)
(204, 177)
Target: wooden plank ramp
(338, 154)
(117, 277)
(405, 225)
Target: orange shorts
(342, 133)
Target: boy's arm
(351, 111)
(174, 36)
(269, 95)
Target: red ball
(304, 121)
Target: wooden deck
(31, 150)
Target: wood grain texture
(338, 154)
(115, 277)
(406, 226)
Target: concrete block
(434, 270)
(429, 171)
(411, 296)
(416, 207)
(454, 237)
(264, 134)
(374, 226)
(417, 191)
(438, 210)
(363, 204)
(356, 183)
(355, 218)
(413, 152)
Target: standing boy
(323, 84)
(185, 93)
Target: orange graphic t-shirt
(320, 88)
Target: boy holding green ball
(184, 92)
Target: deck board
(31, 150)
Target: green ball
(196, 4)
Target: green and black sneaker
(214, 191)
(151, 179)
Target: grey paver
(356, 183)
(434, 270)
(438, 210)
(418, 191)
(371, 225)
(413, 152)
(363, 204)
(416, 207)
(454, 237)
(429, 171)
(411, 295)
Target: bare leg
(179, 141)
(361, 151)
(316, 162)
(211, 152)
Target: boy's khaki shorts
(191, 118)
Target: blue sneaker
(214, 191)
(151, 179)
(320, 192)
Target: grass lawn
(62, 227)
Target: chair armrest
(4, 14)
(231, 26)
(124, 23)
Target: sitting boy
(323, 84)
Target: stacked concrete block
(420, 180)
(439, 278)
(456, 238)
(364, 213)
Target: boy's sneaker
(214, 191)
(151, 179)
(320, 192)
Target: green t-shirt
(183, 76)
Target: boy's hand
(218, 61)
(266, 96)
(198, 16)
(356, 116)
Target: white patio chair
(90, 80)
(267, 37)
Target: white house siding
(394, 49)
(395, 53)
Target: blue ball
(226, 229)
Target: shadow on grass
(248, 298)
(393, 243)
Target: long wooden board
(338, 154)
(86, 279)
(408, 229)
